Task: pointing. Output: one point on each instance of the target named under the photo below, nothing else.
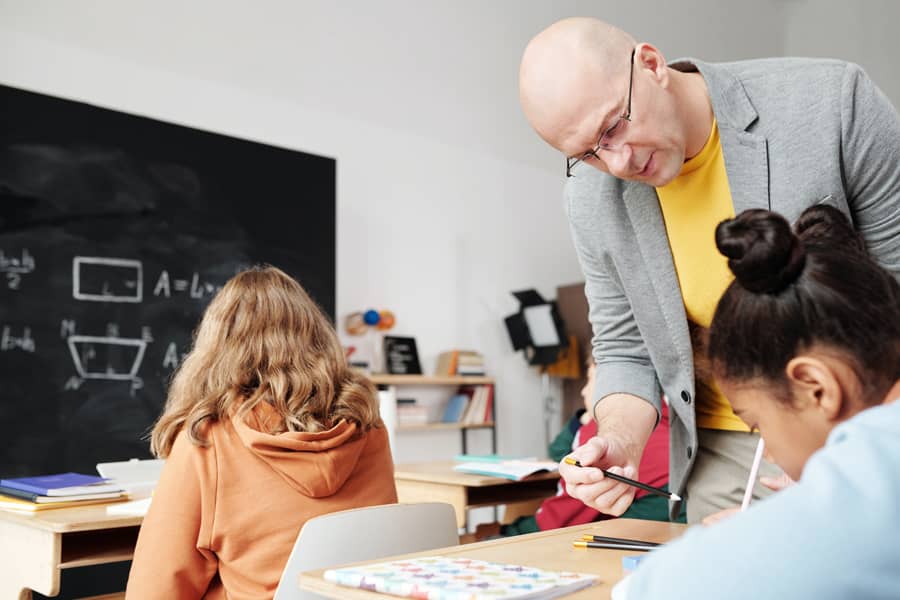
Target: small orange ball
(387, 320)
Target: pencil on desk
(610, 546)
(647, 488)
(614, 540)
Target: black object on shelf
(401, 356)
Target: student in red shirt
(562, 510)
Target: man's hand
(588, 483)
(624, 422)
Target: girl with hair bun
(265, 427)
(805, 343)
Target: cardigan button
(686, 396)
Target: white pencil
(751, 482)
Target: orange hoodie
(224, 518)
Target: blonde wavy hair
(263, 339)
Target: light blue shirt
(833, 535)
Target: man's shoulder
(593, 196)
(769, 71)
(588, 182)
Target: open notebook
(515, 469)
(445, 578)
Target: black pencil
(647, 488)
(608, 546)
(614, 540)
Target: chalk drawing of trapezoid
(111, 358)
(102, 279)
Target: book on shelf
(61, 484)
(480, 407)
(455, 408)
(411, 413)
(514, 469)
(452, 578)
(18, 504)
(459, 362)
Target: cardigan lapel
(746, 154)
(649, 229)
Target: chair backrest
(366, 534)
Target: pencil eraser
(630, 563)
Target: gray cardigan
(794, 132)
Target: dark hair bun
(763, 253)
(823, 224)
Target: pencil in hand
(647, 488)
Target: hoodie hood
(315, 464)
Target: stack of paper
(56, 491)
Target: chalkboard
(115, 231)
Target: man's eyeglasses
(612, 137)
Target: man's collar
(730, 102)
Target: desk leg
(29, 560)
(423, 491)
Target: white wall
(446, 200)
(864, 32)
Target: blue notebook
(61, 484)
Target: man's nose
(619, 161)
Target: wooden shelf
(434, 426)
(385, 379)
(441, 380)
(85, 548)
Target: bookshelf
(384, 379)
(452, 381)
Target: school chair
(366, 534)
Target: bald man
(656, 155)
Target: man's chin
(663, 175)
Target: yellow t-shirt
(692, 205)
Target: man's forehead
(587, 122)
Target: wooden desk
(438, 482)
(36, 546)
(551, 550)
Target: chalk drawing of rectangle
(138, 345)
(92, 276)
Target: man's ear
(649, 58)
(815, 385)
